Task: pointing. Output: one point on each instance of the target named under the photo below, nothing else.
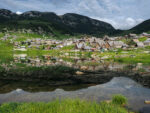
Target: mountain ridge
(69, 23)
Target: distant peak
(5, 11)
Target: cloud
(122, 14)
(18, 13)
(123, 24)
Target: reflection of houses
(88, 64)
(116, 66)
(20, 48)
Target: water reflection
(89, 64)
(7, 86)
(118, 85)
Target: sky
(122, 14)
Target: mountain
(143, 27)
(56, 25)
(50, 23)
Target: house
(133, 36)
(107, 45)
(48, 42)
(146, 34)
(147, 42)
(113, 38)
(140, 44)
(116, 44)
(38, 41)
(68, 43)
(106, 38)
(87, 48)
(16, 44)
(33, 43)
(80, 45)
(101, 43)
(93, 39)
(136, 40)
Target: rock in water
(79, 73)
(147, 102)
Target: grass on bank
(63, 106)
(119, 99)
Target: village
(86, 43)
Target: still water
(21, 91)
(135, 93)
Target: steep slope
(82, 24)
(143, 27)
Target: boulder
(79, 73)
(84, 67)
(147, 102)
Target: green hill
(143, 27)
(50, 23)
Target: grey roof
(93, 39)
(80, 45)
(87, 47)
(148, 39)
(140, 44)
(116, 43)
(101, 42)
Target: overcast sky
(122, 14)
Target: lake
(109, 78)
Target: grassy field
(67, 106)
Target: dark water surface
(135, 93)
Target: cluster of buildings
(85, 43)
(139, 43)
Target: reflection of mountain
(118, 85)
(9, 85)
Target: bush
(119, 99)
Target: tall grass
(63, 106)
(119, 99)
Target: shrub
(119, 99)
